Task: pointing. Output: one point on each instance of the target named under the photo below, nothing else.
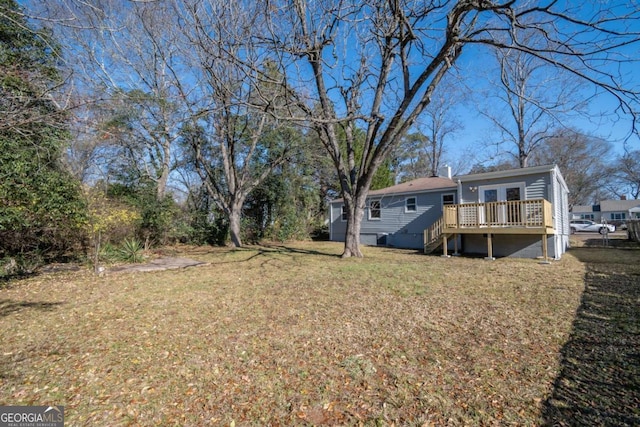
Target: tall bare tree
(626, 174)
(125, 57)
(423, 152)
(235, 138)
(529, 100)
(582, 159)
(376, 64)
(181, 71)
(440, 122)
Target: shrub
(131, 250)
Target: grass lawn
(292, 334)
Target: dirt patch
(159, 264)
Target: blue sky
(478, 130)
(604, 122)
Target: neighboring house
(616, 211)
(520, 213)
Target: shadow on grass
(294, 251)
(599, 382)
(8, 306)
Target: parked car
(587, 225)
(620, 225)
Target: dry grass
(599, 381)
(282, 335)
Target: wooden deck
(517, 217)
(510, 217)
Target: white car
(587, 225)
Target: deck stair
(433, 236)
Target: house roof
(582, 208)
(507, 173)
(609, 206)
(618, 205)
(435, 183)
(431, 183)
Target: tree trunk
(235, 217)
(352, 236)
(161, 188)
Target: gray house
(609, 210)
(519, 212)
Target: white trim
(415, 204)
(507, 173)
(369, 217)
(500, 212)
(502, 190)
(442, 200)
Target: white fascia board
(506, 174)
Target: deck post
(455, 245)
(489, 248)
(424, 240)
(545, 252)
(444, 245)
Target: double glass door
(502, 213)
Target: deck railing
(535, 213)
(434, 232)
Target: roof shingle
(421, 184)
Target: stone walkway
(159, 264)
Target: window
(374, 209)
(410, 204)
(448, 199)
(587, 216)
(344, 213)
(618, 216)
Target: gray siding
(536, 186)
(396, 227)
(508, 245)
(337, 226)
(402, 229)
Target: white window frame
(343, 213)
(407, 204)
(500, 212)
(371, 209)
(502, 190)
(453, 199)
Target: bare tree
(532, 98)
(421, 153)
(125, 56)
(376, 65)
(181, 71)
(440, 122)
(582, 159)
(626, 174)
(235, 139)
